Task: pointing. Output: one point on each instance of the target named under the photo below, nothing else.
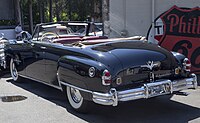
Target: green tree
(58, 10)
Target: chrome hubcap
(14, 72)
(76, 96)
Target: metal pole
(70, 9)
(153, 18)
(40, 9)
(18, 11)
(124, 11)
(30, 17)
(50, 11)
(105, 17)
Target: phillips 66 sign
(178, 29)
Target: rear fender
(179, 57)
(74, 70)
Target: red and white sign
(178, 29)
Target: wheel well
(8, 58)
(86, 95)
(18, 55)
(8, 61)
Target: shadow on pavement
(4, 73)
(41, 90)
(155, 110)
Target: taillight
(106, 78)
(186, 64)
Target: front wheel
(13, 71)
(76, 100)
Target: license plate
(157, 90)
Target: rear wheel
(76, 100)
(13, 70)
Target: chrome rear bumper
(149, 90)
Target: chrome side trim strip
(58, 78)
(72, 86)
(57, 87)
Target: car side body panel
(133, 62)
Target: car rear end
(148, 71)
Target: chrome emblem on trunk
(151, 65)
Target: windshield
(63, 29)
(58, 29)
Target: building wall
(164, 22)
(134, 17)
(7, 10)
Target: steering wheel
(49, 36)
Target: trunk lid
(139, 60)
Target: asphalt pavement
(32, 102)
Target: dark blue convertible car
(105, 72)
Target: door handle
(43, 48)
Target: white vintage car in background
(9, 38)
(3, 42)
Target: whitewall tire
(76, 100)
(13, 71)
